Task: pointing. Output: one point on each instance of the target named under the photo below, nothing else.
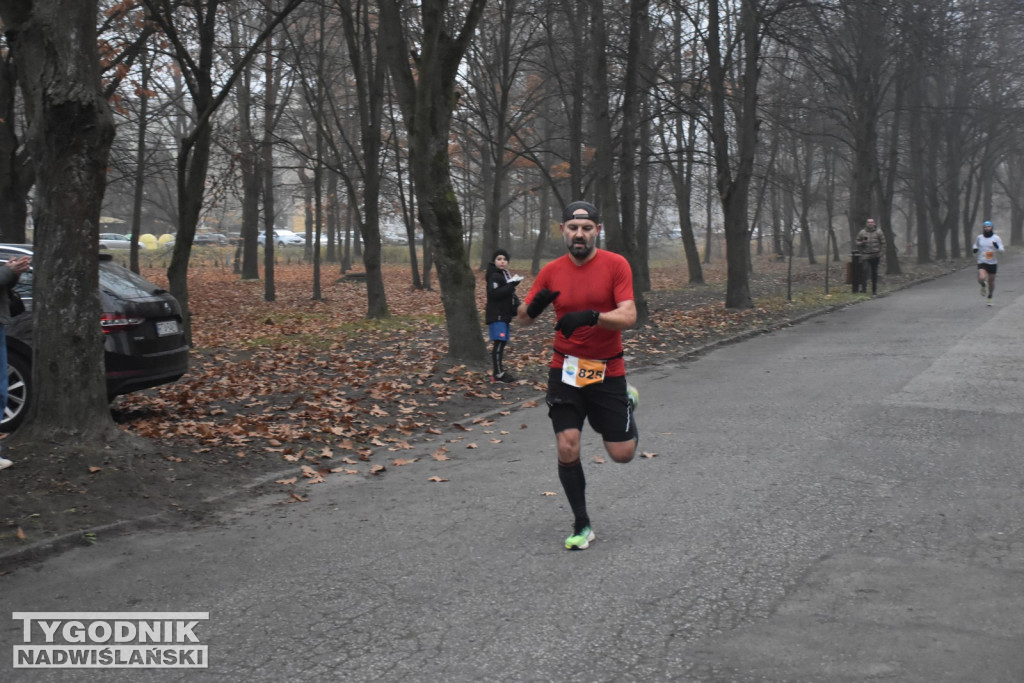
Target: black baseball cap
(580, 209)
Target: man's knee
(621, 451)
(568, 445)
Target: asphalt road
(840, 500)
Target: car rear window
(123, 283)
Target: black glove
(540, 301)
(570, 321)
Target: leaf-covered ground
(281, 396)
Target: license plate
(167, 327)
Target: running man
(986, 246)
(592, 291)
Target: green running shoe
(581, 540)
(633, 395)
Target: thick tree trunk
(70, 133)
(427, 101)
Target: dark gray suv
(144, 339)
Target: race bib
(989, 254)
(579, 372)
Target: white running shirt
(987, 248)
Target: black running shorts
(604, 405)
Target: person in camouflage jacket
(871, 245)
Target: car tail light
(115, 322)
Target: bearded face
(580, 237)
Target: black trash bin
(856, 271)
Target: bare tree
(733, 75)
(427, 98)
(192, 32)
(369, 71)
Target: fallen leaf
(599, 460)
(495, 440)
(94, 469)
(326, 452)
(20, 534)
(649, 455)
(549, 493)
(439, 454)
(377, 469)
(287, 482)
(300, 499)
(399, 462)
(437, 479)
(471, 445)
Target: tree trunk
(249, 170)
(70, 133)
(427, 100)
(806, 197)
(267, 166)
(369, 71)
(139, 181)
(408, 217)
(16, 176)
(684, 130)
(734, 188)
(619, 217)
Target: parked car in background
(284, 238)
(113, 240)
(210, 238)
(143, 336)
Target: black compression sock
(575, 484)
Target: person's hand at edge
(569, 322)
